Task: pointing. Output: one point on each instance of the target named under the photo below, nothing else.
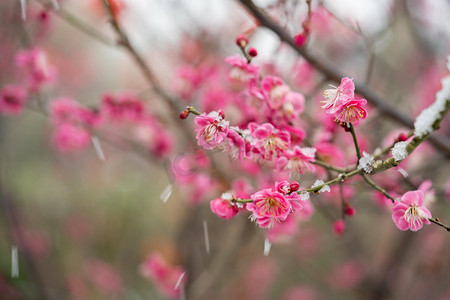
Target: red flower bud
(339, 227)
(349, 210)
(300, 39)
(221, 114)
(294, 186)
(184, 114)
(252, 52)
(402, 137)
(241, 41)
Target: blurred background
(90, 224)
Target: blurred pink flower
(167, 279)
(70, 138)
(347, 275)
(300, 292)
(297, 160)
(103, 276)
(34, 65)
(122, 107)
(12, 99)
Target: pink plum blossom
(103, 276)
(224, 207)
(34, 65)
(242, 73)
(211, 129)
(70, 138)
(409, 212)
(124, 106)
(290, 109)
(336, 96)
(267, 207)
(186, 81)
(269, 141)
(274, 90)
(297, 160)
(12, 99)
(351, 111)
(164, 276)
(65, 109)
(300, 292)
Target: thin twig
(377, 187)
(355, 141)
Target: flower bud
(294, 186)
(402, 137)
(339, 227)
(184, 114)
(349, 210)
(241, 41)
(252, 52)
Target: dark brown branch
(442, 143)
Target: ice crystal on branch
(366, 162)
(319, 182)
(399, 151)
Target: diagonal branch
(331, 72)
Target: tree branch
(441, 143)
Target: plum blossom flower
(269, 141)
(242, 72)
(224, 207)
(351, 111)
(274, 90)
(12, 99)
(267, 207)
(35, 66)
(211, 129)
(65, 109)
(409, 212)
(297, 160)
(338, 95)
(125, 106)
(70, 138)
(164, 276)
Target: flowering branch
(440, 142)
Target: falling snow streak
(205, 231)
(177, 285)
(267, 246)
(23, 8)
(55, 4)
(165, 194)
(98, 148)
(14, 262)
